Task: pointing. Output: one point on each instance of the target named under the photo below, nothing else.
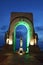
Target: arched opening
(21, 33)
(24, 30)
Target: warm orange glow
(32, 42)
(20, 49)
(7, 40)
(10, 42)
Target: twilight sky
(8, 6)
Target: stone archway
(29, 33)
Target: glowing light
(32, 42)
(10, 42)
(29, 32)
(27, 50)
(21, 43)
(20, 52)
(7, 40)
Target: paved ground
(7, 57)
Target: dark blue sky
(34, 6)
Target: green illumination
(29, 32)
(27, 50)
